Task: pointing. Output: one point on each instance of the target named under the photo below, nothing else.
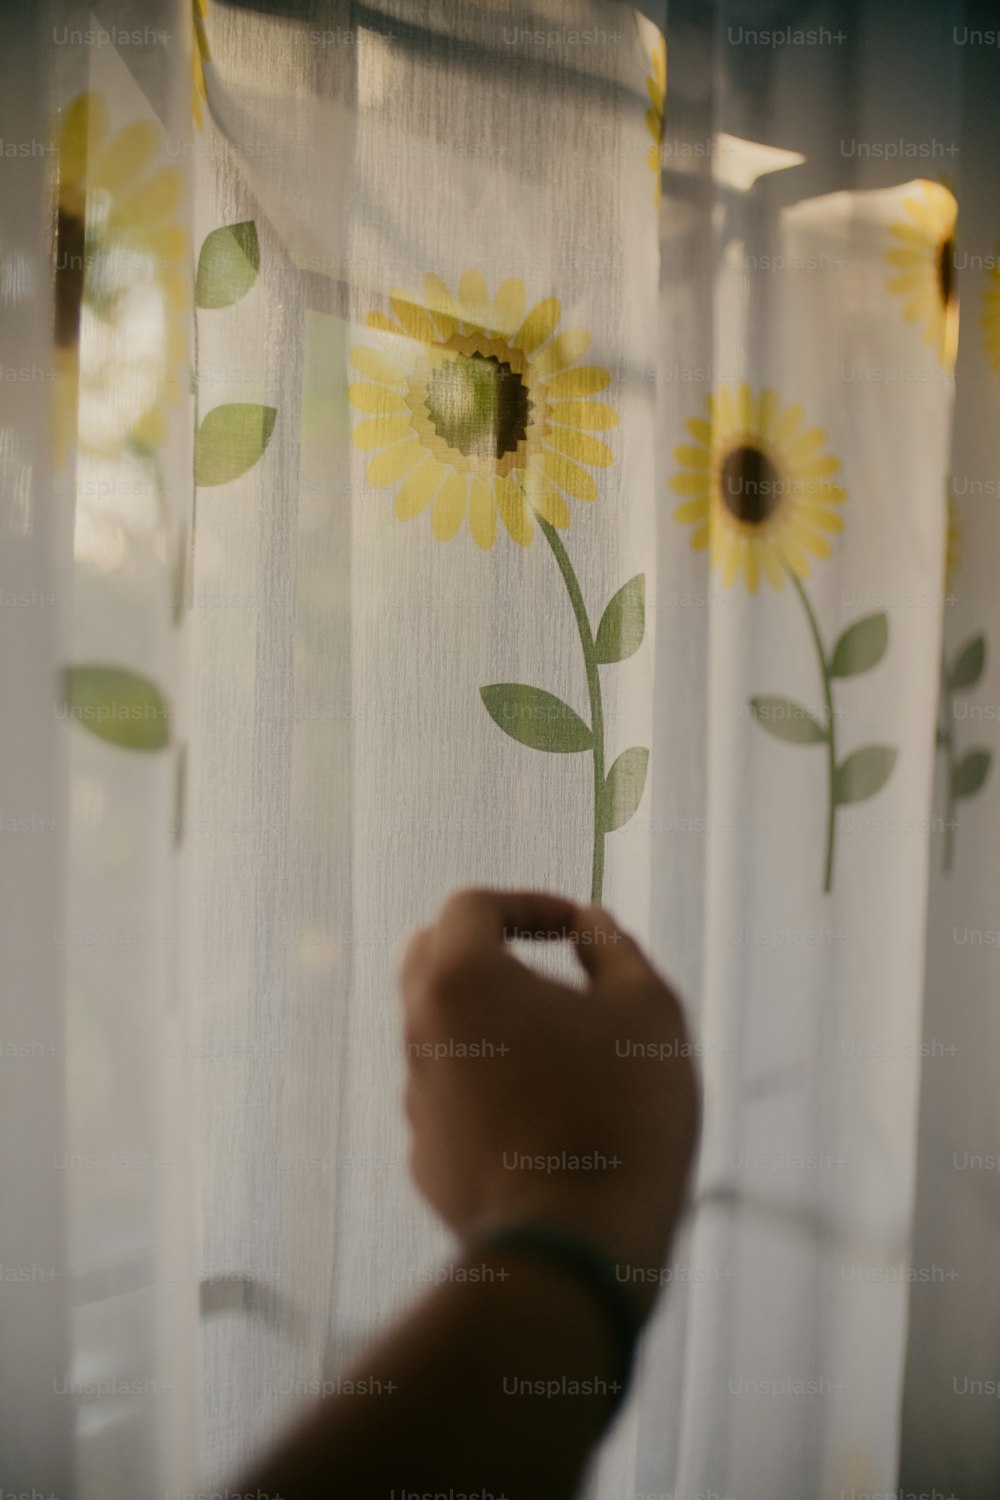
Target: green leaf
(536, 718)
(230, 441)
(117, 706)
(228, 265)
(623, 623)
(787, 720)
(970, 773)
(863, 774)
(861, 647)
(622, 789)
(969, 663)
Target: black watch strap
(580, 1259)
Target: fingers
(466, 949)
(475, 922)
(605, 951)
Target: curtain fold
(503, 446)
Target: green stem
(594, 689)
(946, 739)
(189, 560)
(831, 735)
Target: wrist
(634, 1251)
(573, 1260)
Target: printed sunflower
(120, 291)
(925, 255)
(762, 498)
(761, 488)
(476, 408)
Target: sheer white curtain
(570, 508)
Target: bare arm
(503, 1380)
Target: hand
(531, 1099)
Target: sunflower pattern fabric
(119, 269)
(923, 249)
(763, 497)
(763, 503)
(480, 407)
(483, 453)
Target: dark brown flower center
(750, 485)
(69, 278)
(478, 405)
(946, 269)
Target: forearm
(452, 1399)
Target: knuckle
(468, 900)
(451, 982)
(415, 955)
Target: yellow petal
(751, 568)
(805, 445)
(818, 468)
(449, 507)
(380, 432)
(691, 510)
(720, 407)
(766, 412)
(700, 536)
(916, 257)
(157, 198)
(587, 380)
(544, 498)
(538, 325)
(562, 352)
(84, 128)
(514, 513)
(389, 466)
(918, 240)
(581, 446)
(377, 366)
(440, 304)
(794, 556)
(482, 514)
(151, 429)
(746, 409)
(417, 488)
(473, 299)
(382, 322)
(416, 322)
(788, 423)
(699, 429)
(811, 540)
(508, 306)
(568, 476)
(773, 570)
(169, 244)
(691, 457)
(588, 414)
(828, 520)
(376, 399)
(126, 157)
(697, 483)
(174, 286)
